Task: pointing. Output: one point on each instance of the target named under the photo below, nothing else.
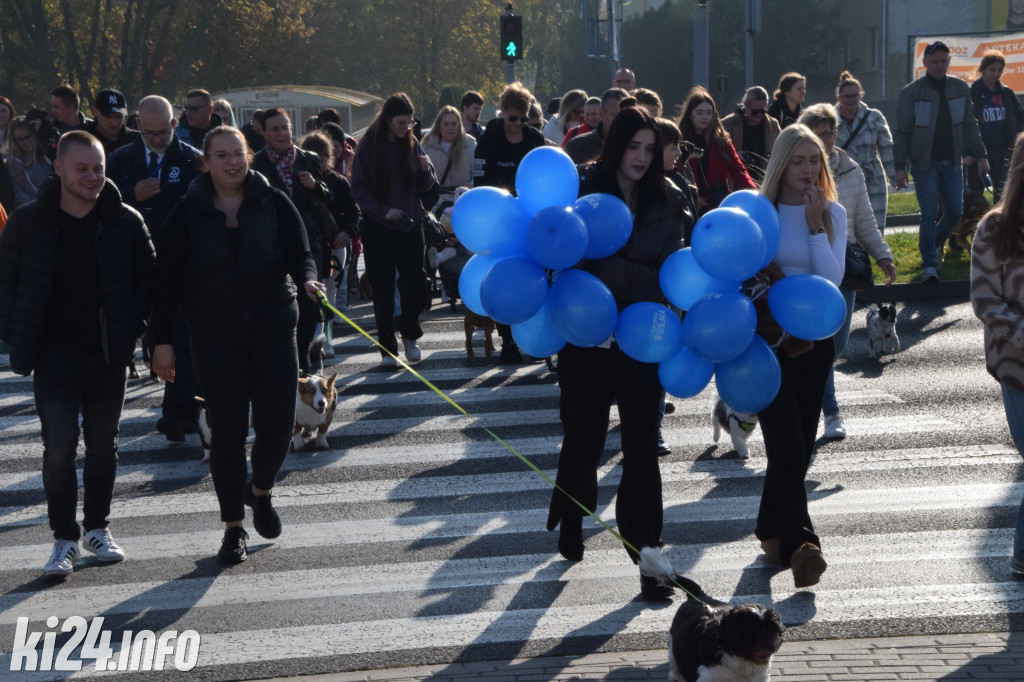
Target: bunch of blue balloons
(519, 241)
(522, 275)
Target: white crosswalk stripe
(416, 536)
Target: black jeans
(591, 379)
(65, 381)
(309, 318)
(389, 251)
(240, 359)
(789, 426)
(180, 394)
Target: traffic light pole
(511, 31)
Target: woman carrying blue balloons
(812, 240)
(591, 379)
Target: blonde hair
(571, 100)
(785, 146)
(459, 146)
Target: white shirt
(803, 253)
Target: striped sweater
(997, 295)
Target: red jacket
(731, 173)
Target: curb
(957, 290)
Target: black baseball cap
(110, 101)
(937, 45)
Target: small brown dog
(471, 322)
(315, 401)
(975, 207)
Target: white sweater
(803, 253)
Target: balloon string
(496, 437)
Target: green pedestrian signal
(511, 29)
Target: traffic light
(511, 38)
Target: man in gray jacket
(936, 134)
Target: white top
(803, 253)
(553, 130)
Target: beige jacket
(861, 228)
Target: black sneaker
(652, 590)
(232, 547)
(510, 354)
(171, 429)
(264, 517)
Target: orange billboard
(965, 55)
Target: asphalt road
(417, 540)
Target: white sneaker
(388, 362)
(834, 427)
(62, 560)
(102, 544)
(412, 351)
(929, 275)
(328, 350)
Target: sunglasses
(512, 118)
(758, 112)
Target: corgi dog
(315, 400)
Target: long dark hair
(376, 136)
(650, 190)
(1009, 212)
(715, 130)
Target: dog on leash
(471, 322)
(881, 323)
(739, 425)
(315, 400)
(711, 641)
(975, 208)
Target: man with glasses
(153, 173)
(199, 118)
(936, 134)
(110, 111)
(753, 132)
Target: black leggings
(389, 251)
(259, 367)
(789, 426)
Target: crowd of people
(192, 232)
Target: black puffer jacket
(632, 273)
(28, 272)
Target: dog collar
(746, 426)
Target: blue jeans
(943, 179)
(829, 406)
(1013, 402)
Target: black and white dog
(739, 425)
(711, 641)
(881, 323)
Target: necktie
(154, 165)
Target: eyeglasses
(156, 134)
(578, 112)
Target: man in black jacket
(111, 111)
(76, 236)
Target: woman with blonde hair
(569, 116)
(997, 287)
(812, 240)
(718, 171)
(789, 99)
(450, 149)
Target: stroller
(445, 256)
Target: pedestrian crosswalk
(416, 538)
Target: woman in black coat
(225, 256)
(591, 379)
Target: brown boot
(808, 563)
(770, 547)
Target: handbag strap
(446, 170)
(854, 133)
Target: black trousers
(789, 426)
(388, 251)
(258, 367)
(66, 381)
(180, 395)
(591, 379)
(309, 318)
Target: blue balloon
(684, 283)
(750, 382)
(763, 212)
(513, 290)
(582, 308)
(807, 306)
(556, 237)
(538, 336)
(546, 177)
(490, 222)
(719, 327)
(649, 332)
(469, 282)
(728, 245)
(609, 223)
(684, 375)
